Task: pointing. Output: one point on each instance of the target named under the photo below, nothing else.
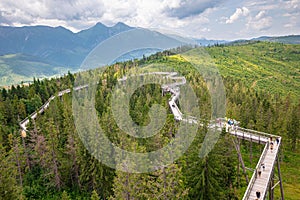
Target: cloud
(292, 13)
(292, 6)
(238, 13)
(260, 15)
(33, 11)
(260, 21)
(205, 29)
(81, 14)
(187, 8)
(263, 5)
(195, 18)
(293, 21)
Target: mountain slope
(290, 39)
(91, 37)
(58, 49)
(15, 68)
(58, 45)
(41, 51)
(273, 67)
(45, 51)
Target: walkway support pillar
(237, 147)
(280, 179)
(271, 189)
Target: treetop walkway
(262, 180)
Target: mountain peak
(121, 24)
(61, 28)
(99, 24)
(96, 28)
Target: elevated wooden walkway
(261, 184)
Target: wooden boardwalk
(261, 183)
(32, 116)
(268, 158)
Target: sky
(211, 19)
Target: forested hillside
(262, 91)
(268, 66)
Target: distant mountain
(91, 37)
(128, 45)
(39, 51)
(205, 42)
(290, 39)
(42, 51)
(57, 46)
(137, 54)
(15, 68)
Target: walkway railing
(220, 123)
(33, 115)
(254, 176)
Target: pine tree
(9, 187)
(128, 185)
(293, 126)
(169, 183)
(52, 154)
(65, 196)
(95, 195)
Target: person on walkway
(229, 125)
(258, 194)
(259, 172)
(277, 141)
(271, 147)
(263, 166)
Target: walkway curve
(42, 109)
(268, 156)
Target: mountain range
(55, 45)
(43, 51)
(289, 39)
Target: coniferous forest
(50, 162)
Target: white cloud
(64, 12)
(293, 21)
(187, 8)
(238, 13)
(260, 15)
(197, 18)
(205, 29)
(292, 13)
(260, 21)
(263, 5)
(292, 5)
(134, 12)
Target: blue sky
(212, 19)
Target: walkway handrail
(253, 131)
(273, 163)
(258, 132)
(41, 108)
(37, 111)
(218, 123)
(254, 176)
